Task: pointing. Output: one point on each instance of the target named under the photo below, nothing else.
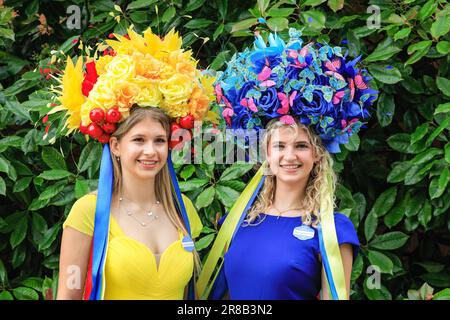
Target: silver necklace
(148, 213)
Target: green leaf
(395, 215)
(6, 167)
(19, 233)
(381, 293)
(398, 172)
(382, 52)
(187, 171)
(437, 279)
(204, 242)
(235, 184)
(3, 273)
(404, 33)
(439, 184)
(29, 142)
(427, 10)
(389, 241)
(236, 170)
(226, 195)
(198, 23)
(55, 174)
(280, 12)
(38, 228)
(277, 24)
(33, 283)
(314, 19)
(219, 60)
(81, 188)
(381, 261)
(23, 293)
(262, 6)
(244, 24)
(52, 190)
(444, 85)
(441, 26)
(10, 141)
(17, 109)
(358, 266)
(168, 14)
(384, 202)
(313, 3)
(443, 47)
(447, 152)
(2, 186)
(91, 153)
(420, 49)
(431, 266)
(37, 204)
(442, 108)
(335, 5)
(386, 109)
(385, 75)
(426, 156)
(419, 133)
(353, 143)
(5, 295)
(399, 142)
(49, 237)
(22, 184)
(140, 4)
(219, 31)
(205, 198)
(192, 184)
(194, 5)
(442, 295)
(414, 205)
(370, 225)
(444, 124)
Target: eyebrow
(299, 141)
(139, 135)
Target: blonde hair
(163, 183)
(321, 183)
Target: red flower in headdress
(90, 78)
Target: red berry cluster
(102, 124)
(186, 123)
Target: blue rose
(243, 91)
(269, 103)
(318, 106)
(240, 119)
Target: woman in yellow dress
(132, 239)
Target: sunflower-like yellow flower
(72, 97)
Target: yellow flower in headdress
(71, 97)
(177, 89)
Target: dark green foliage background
(394, 177)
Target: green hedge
(394, 178)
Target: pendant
(303, 232)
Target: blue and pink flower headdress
(314, 83)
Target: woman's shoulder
(82, 214)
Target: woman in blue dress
(283, 237)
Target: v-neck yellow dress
(131, 269)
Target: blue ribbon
(101, 226)
(326, 266)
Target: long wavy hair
(321, 183)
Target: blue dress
(266, 261)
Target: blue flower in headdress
(314, 83)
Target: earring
(118, 159)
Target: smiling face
(290, 154)
(143, 150)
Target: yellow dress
(131, 271)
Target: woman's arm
(73, 262)
(347, 260)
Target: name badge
(303, 232)
(187, 244)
